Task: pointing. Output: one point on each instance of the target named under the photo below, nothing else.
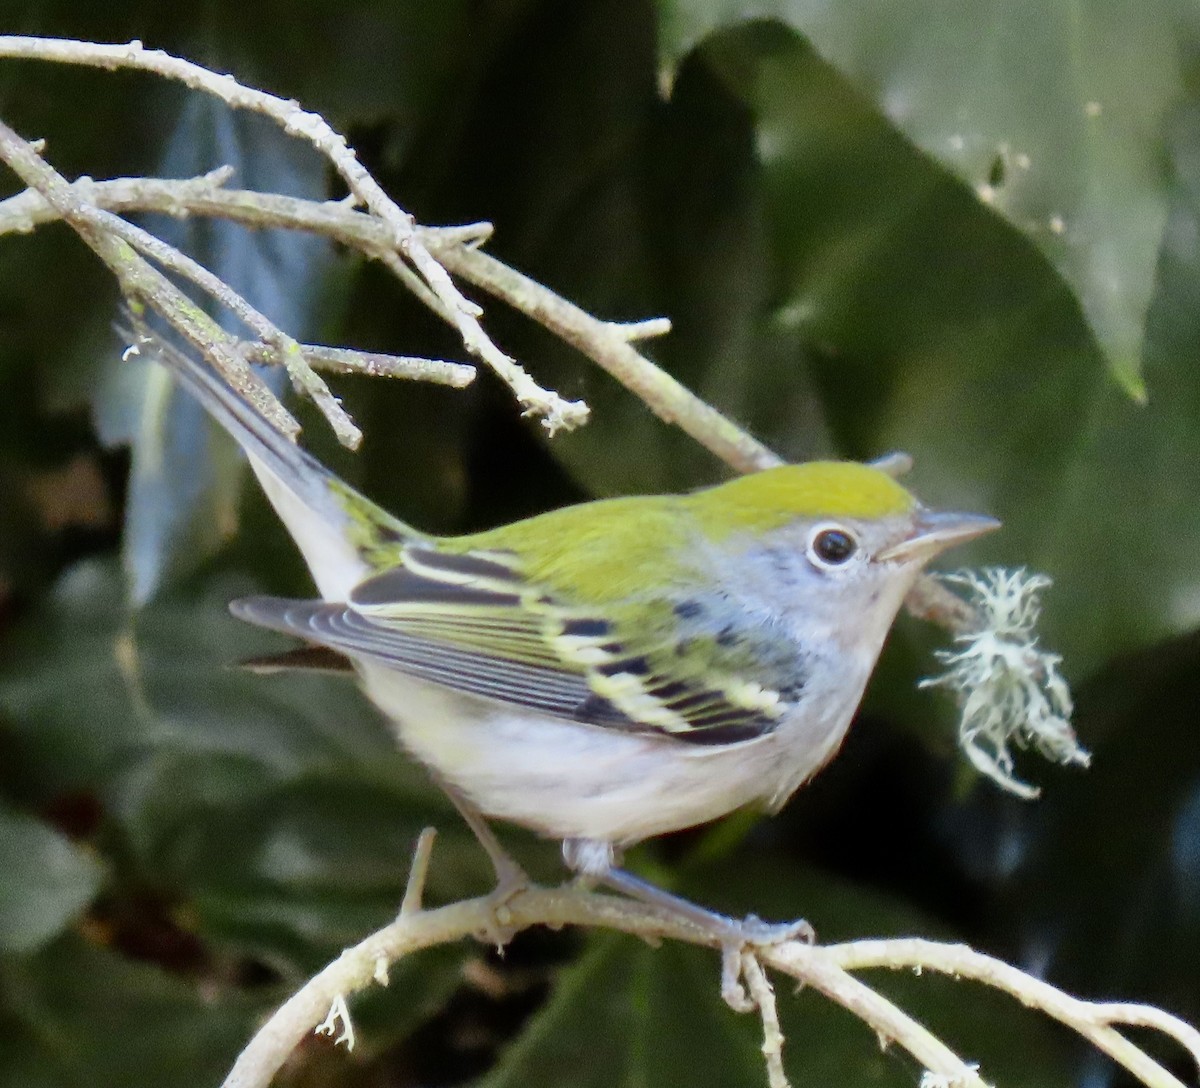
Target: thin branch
(764, 999)
(418, 872)
(373, 364)
(825, 969)
(286, 349)
(402, 235)
(357, 967)
(139, 279)
(669, 399)
(1092, 1020)
(1147, 1016)
(606, 343)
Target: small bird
(610, 671)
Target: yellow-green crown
(819, 489)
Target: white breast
(569, 780)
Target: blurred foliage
(970, 233)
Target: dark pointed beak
(935, 530)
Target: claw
(753, 930)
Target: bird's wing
(470, 622)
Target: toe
(756, 931)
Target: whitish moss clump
(1009, 691)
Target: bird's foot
(511, 880)
(752, 930)
(596, 860)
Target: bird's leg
(510, 877)
(598, 860)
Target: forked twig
(402, 235)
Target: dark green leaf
(45, 882)
(630, 1015)
(1054, 117)
(82, 1016)
(90, 685)
(932, 327)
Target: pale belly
(569, 780)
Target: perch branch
(1093, 1020)
(825, 969)
(357, 967)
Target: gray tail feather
(301, 472)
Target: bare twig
(138, 279)
(402, 235)
(606, 343)
(764, 999)
(1147, 1016)
(374, 364)
(418, 872)
(285, 348)
(669, 399)
(822, 968)
(1093, 1020)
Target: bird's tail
(341, 533)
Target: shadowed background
(901, 230)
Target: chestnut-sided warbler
(613, 670)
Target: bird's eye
(832, 547)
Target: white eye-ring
(831, 546)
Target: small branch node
(337, 1022)
(947, 1080)
(470, 235)
(418, 872)
(631, 331)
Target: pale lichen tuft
(1010, 691)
